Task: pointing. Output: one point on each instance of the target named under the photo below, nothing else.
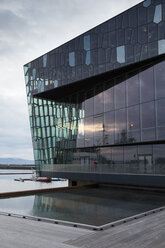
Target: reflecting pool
(94, 206)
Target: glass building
(101, 97)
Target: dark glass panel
(120, 126)
(148, 115)
(132, 90)
(161, 30)
(105, 156)
(143, 34)
(120, 37)
(161, 133)
(145, 149)
(112, 39)
(159, 157)
(144, 52)
(153, 49)
(109, 96)
(133, 124)
(119, 94)
(146, 85)
(148, 121)
(152, 32)
(160, 79)
(129, 53)
(99, 100)
(132, 17)
(98, 130)
(88, 131)
(142, 15)
(130, 155)
(109, 128)
(160, 119)
(89, 103)
(117, 155)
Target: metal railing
(155, 169)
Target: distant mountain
(15, 161)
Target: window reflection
(99, 100)
(132, 89)
(133, 124)
(146, 85)
(45, 60)
(161, 119)
(98, 130)
(117, 155)
(88, 131)
(109, 128)
(120, 95)
(120, 126)
(147, 3)
(72, 59)
(148, 121)
(89, 103)
(88, 58)
(161, 46)
(80, 133)
(158, 13)
(87, 42)
(109, 97)
(160, 79)
(121, 54)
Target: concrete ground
(146, 232)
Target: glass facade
(114, 119)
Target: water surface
(95, 206)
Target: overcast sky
(28, 29)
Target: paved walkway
(147, 232)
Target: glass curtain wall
(125, 110)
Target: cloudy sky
(29, 28)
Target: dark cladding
(101, 96)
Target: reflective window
(120, 95)
(160, 113)
(160, 79)
(45, 60)
(88, 58)
(132, 90)
(98, 130)
(109, 128)
(109, 97)
(117, 155)
(72, 59)
(87, 42)
(148, 115)
(121, 54)
(133, 124)
(161, 46)
(105, 156)
(130, 155)
(99, 100)
(158, 13)
(55, 83)
(146, 85)
(159, 156)
(34, 73)
(88, 131)
(146, 3)
(120, 126)
(89, 103)
(148, 121)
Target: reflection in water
(95, 206)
